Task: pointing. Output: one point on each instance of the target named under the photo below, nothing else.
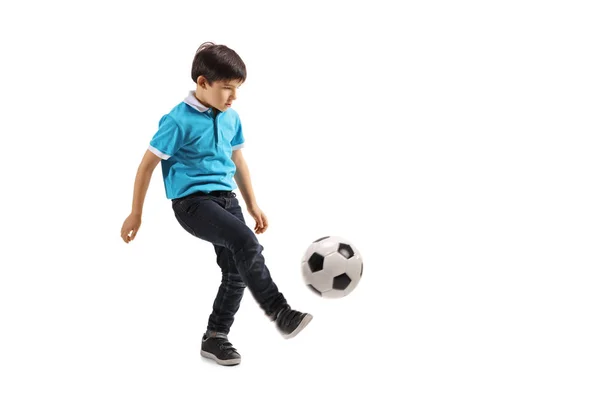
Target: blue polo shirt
(195, 144)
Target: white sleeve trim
(159, 153)
(238, 146)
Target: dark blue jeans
(217, 218)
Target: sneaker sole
(233, 361)
(307, 318)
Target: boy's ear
(201, 82)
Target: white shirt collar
(192, 101)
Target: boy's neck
(205, 104)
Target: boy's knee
(244, 243)
(234, 280)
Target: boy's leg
(290, 322)
(206, 217)
(229, 296)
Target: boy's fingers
(128, 236)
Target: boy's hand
(261, 219)
(130, 228)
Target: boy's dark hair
(217, 62)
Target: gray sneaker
(291, 322)
(217, 347)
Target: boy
(198, 144)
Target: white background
(454, 143)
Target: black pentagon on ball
(341, 282)
(345, 250)
(315, 262)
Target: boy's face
(219, 95)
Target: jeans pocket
(187, 206)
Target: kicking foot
(291, 322)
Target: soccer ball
(332, 267)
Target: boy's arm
(133, 222)
(142, 181)
(242, 178)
